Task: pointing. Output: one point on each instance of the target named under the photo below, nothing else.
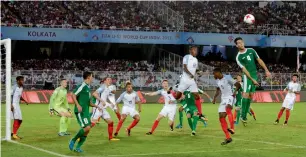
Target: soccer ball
(249, 19)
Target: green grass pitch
(259, 139)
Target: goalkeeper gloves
(69, 110)
(51, 111)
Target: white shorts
(168, 111)
(224, 103)
(129, 111)
(97, 113)
(288, 103)
(186, 83)
(16, 114)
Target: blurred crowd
(208, 16)
(83, 65)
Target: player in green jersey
(59, 105)
(81, 96)
(246, 60)
(202, 118)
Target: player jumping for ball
(15, 107)
(59, 105)
(187, 81)
(129, 98)
(246, 60)
(224, 85)
(169, 108)
(82, 99)
(292, 89)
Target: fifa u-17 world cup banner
(143, 37)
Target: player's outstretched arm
(138, 101)
(152, 93)
(217, 93)
(96, 95)
(263, 65)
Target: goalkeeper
(60, 107)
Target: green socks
(195, 122)
(81, 142)
(181, 118)
(79, 135)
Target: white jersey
(192, 65)
(129, 99)
(226, 84)
(293, 87)
(167, 97)
(16, 94)
(103, 92)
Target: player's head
(129, 87)
(87, 76)
(217, 73)
(193, 50)
(239, 78)
(165, 84)
(239, 43)
(64, 83)
(20, 80)
(108, 81)
(295, 77)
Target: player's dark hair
(127, 84)
(63, 79)
(86, 74)
(18, 78)
(165, 80)
(217, 70)
(295, 75)
(236, 39)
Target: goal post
(5, 69)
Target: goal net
(5, 88)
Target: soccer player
(101, 95)
(81, 97)
(15, 106)
(224, 85)
(246, 60)
(202, 118)
(169, 108)
(129, 98)
(292, 89)
(59, 105)
(111, 98)
(187, 81)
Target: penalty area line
(39, 149)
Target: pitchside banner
(43, 96)
(143, 37)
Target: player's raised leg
(136, 118)
(155, 124)
(121, 121)
(280, 113)
(180, 125)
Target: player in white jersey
(224, 85)
(129, 98)
(101, 95)
(15, 106)
(169, 108)
(112, 100)
(292, 89)
(187, 81)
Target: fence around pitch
(35, 79)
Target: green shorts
(191, 109)
(248, 86)
(83, 119)
(238, 103)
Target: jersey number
(85, 120)
(130, 102)
(249, 58)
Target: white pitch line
(190, 152)
(263, 142)
(40, 149)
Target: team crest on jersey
(194, 65)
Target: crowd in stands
(205, 16)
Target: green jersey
(83, 95)
(189, 103)
(248, 59)
(59, 98)
(238, 93)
